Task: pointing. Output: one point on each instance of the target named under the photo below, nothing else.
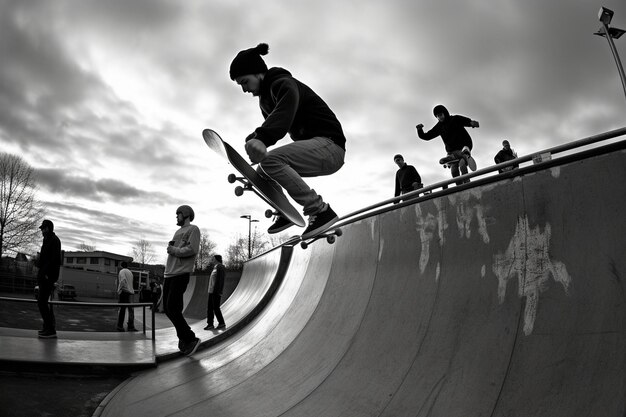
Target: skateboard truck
(239, 190)
(269, 213)
(330, 235)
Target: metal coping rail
(83, 304)
(444, 184)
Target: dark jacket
(405, 177)
(50, 258)
(220, 277)
(452, 131)
(289, 106)
(503, 156)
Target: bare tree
(237, 252)
(20, 211)
(143, 252)
(86, 248)
(206, 251)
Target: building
(94, 274)
(97, 261)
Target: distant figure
(155, 291)
(49, 266)
(457, 141)
(125, 291)
(290, 106)
(407, 177)
(182, 251)
(216, 287)
(505, 154)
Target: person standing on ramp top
(290, 106)
(458, 142)
(181, 257)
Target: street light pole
(250, 221)
(605, 15)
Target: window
(81, 260)
(69, 260)
(94, 261)
(107, 261)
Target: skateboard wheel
(304, 245)
(330, 239)
(232, 178)
(338, 232)
(238, 191)
(269, 213)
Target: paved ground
(31, 394)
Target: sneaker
(320, 222)
(191, 347)
(279, 225)
(48, 334)
(120, 329)
(132, 329)
(221, 326)
(209, 327)
(471, 162)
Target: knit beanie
(249, 61)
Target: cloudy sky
(107, 99)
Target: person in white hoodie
(182, 251)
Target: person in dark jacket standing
(407, 177)
(48, 274)
(216, 288)
(505, 154)
(290, 106)
(457, 141)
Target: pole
(618, 62)
(249, 237)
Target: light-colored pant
(304, 158)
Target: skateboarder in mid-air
(289, 106)
(458, 142)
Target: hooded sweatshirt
(452, 130)
(290, 106)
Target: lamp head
(605, 15)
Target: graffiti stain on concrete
(425, 227)
(528, 258)
(468, 206)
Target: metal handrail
(444, 184)
(84, 304)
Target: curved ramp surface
(505, 299)
(259, 280)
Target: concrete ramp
(506, 298)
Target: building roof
(98, 254)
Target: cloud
(107, 100)
(58, 181)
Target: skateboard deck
(330, 235)
(447, 162)
(251, 180)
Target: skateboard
(450, 160)
(251, 180)
(330, 235)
